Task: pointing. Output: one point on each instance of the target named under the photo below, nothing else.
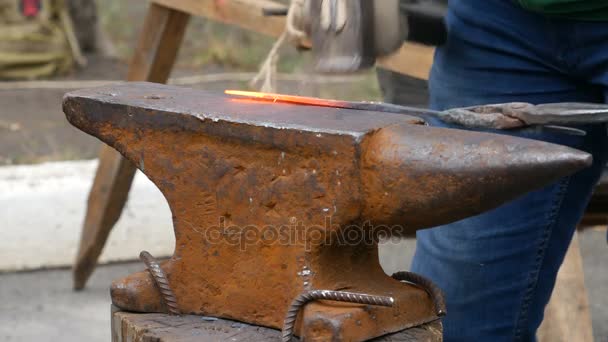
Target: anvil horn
(417, 177)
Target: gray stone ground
(40, 306)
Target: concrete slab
(41, 306)
(42, 208)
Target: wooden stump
(137, 327)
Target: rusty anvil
(262, 192)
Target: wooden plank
(412, 59)
(596, 213)
(567, 317)
(152, 61)
(246, 14)
(158, 44)
(135, 327)
(106, 200)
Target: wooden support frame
(567, 317)
(412, 59)
(152, 61)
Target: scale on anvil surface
(265, 194)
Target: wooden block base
(137, 327)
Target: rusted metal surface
(161, 281)
(271, 200)
(338, 296)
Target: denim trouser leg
(498, 269)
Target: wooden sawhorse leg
(568, 317)
(152, 61)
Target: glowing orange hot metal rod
(315, 101)
(511, 115)
(304, 100)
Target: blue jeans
(498, 268)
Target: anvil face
(269, 199)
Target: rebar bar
(339, 296)
(426, 284)
(161, 281)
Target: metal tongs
(494, 116)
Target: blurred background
(47, 168)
